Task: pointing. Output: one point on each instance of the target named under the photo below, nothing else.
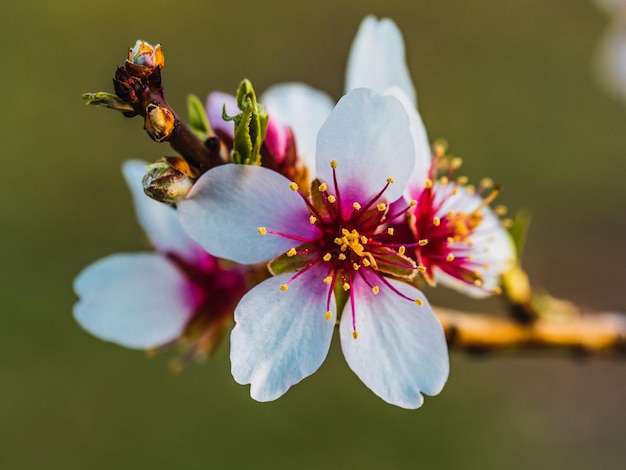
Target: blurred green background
(508, 83)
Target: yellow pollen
(500, 210)
(419, 301)
(462, 180)
(346, 286)
(284, 287)
(262, 230)
(390, 231)
(450, 214)
(421, 269)
(338, 241)
(402, 250)
(436, 221)
(328, 279)
(456, 163)
(507, 223)
(357, 206)
(390, 180)
(341, 257)
(327, 257)
(332, 199)
(450, 240)
(355, 266)
(413, 203)
(293, 187)
(470, 257)
(375, 290)
(443, 180)
(486, 183)
(329, 315)
(312, 220)
(450, 257)
(478, 282)
(363, 239)
(381, 207)
(291, 252)
(333, 164)
(497, 290)
(470, 188)
(423, 242)
(322, 187)
(355, 334)
(366, 263)
(455, 191)
(428, 184)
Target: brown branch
(593, 333)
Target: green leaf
(198, 121)
(106, 100)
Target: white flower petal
(159, 221)
(369, 136)
(280, 337)
(377, 59)
(420, 139)
(401, 348)
(302, 108)
(228, 204)
(135, 300)
(214, 108)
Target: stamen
(332, 199)
(456, 163)
(338, 241)
(329, 315)
(500, 210)
(450, 257)
(497, 290)
(486, 183)
(327, 257)
(328, 279)
(423, 242)
(478, 282)
(436, 221)
(390, 231)
(443, 181)
(401, 250)
(355, 266)
(381, 207)
(333, 164)
(342, 257)
(291, 252)
(312, 220)
(450, 240)
(428, 184)
(284, 287)
(421, 269)
(322, 187)
(262, 230)
(390, 180)
(413, 203)
(462, 180)
(356, 206)
(293, 186)
(419, 301)
(346, 286)
(363, 239)
(355, 334)
(375, 290)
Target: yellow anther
(312, 220)
(421, 269)
(462, 180)
(291, 252)
(333, 164)
(436, 221)
(355, 266)
(419, 301)
(357, 206)
(328, 279)
(486, 266)
(344, 248)
(345, 232)
(390, 180)
(338, 241)
(363, 239)
(428, 184)
(375, 290)
(439, 147)
(390, 231)
(381, 207)
(366, 263)
(478, 282)
(346, 286)
(329, 315)
(355, 334)
(486, 183)
(284, 287)
(497, 290)
(402, 250)
(327, 257)
(455, 191)
(450, 214)
(413, 203)
(450, 240)
(500, 210)
(450, 257)
(470, 256)
(443, 180)
(322, 187)
(293, 187)
(423, 242)
(507, 223)
(456, 162)
(262, 230)
(341, 257)
(332, 199)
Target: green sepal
(250, 126)
(107, 100)
(198, 120)
(305, 256)
(318, 199)
(396, 265)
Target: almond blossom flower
(330, 260)
(482, 249)
(147, 300)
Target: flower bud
(167, 181)
(160, 122)
(146, 55)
